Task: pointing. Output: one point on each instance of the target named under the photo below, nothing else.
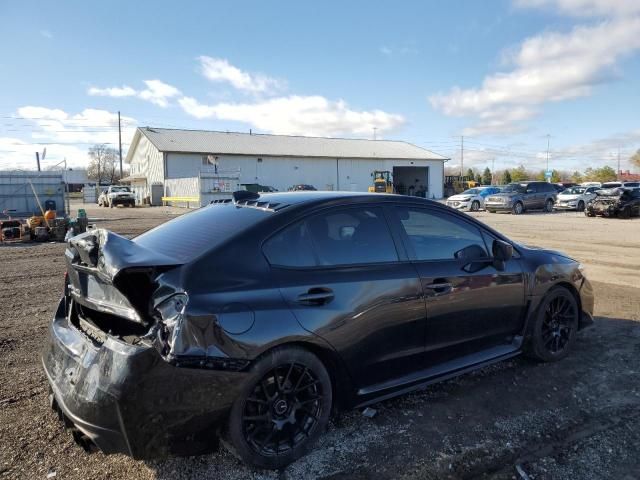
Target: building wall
(284, 172)
(148, 161)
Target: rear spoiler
(106, 254)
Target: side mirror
(502, 251)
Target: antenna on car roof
(242, 195)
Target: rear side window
(347, 236)
(437, 236)
(192, 234)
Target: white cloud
(585, 8)
(220, 70)
(46, 34)
(124, 91)
(157, 92)
(298, 115)
(64, 135)
(386, 50)
(549, 67)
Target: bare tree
(103, 164)
(635, 158)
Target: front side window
(339, 237)
(437, 236)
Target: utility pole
(120, 143)
(38, 160)
(461, 155)
(548, 137)
(493, 168)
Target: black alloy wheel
(283, 411)
(555, 326)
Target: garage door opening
(412, 181)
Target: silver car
(472, 199)
(575, 198)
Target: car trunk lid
(112, 274)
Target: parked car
(117, 195)
(518, 197)
(575, 198)
(631, 184)
(609, 185)
(303, 304)
(591, 184)
(302, 187)
(620, 202)
(471, 199)
(257, 188)
(558, 187)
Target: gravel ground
(579, 418)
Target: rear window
(190, 235)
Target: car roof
(316, 197)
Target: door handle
(440, 288)
(316, 296)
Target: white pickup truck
(117, 195)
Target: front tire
(281, 411)
(548, 206)
(475, 206)
(518, 208)
(555, 326)
(581, 206)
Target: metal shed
(16, 193)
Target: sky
(510, 76)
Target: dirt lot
(579, 418)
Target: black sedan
(252, 319)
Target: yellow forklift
(454, 184)
(381, 182)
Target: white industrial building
(196, 163)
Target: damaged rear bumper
(125, 398)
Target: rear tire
(581, 206)
(518, 208)
(555, 326)
(625, 213)
(548, 206)
(281, 410)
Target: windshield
(120, 189)
(514, 187)
(574, 191)
(471, 191)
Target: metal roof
(233, 143)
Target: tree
(555, 176)
(506, 177)
(635, 158)
(603, 174)
(103, 164)
(487, 177)
(540, 176)
(576, 177)
(471, 174)
(519, 174)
